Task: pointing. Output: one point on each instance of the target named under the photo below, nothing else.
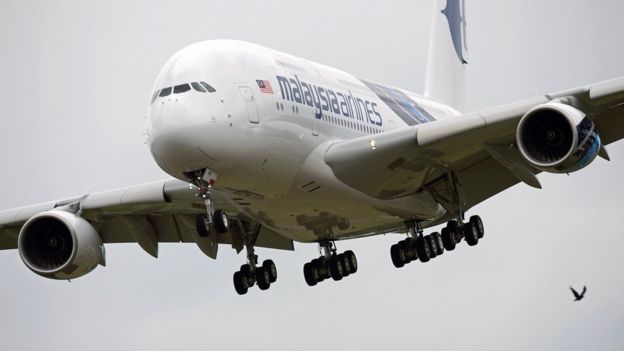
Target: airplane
(265, 149)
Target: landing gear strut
(329, 265)
(251, 273)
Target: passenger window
(182, 88)
(198, 87)
(165, 92)
(208, 87)
(154, 96)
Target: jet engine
(557, 138)
(60, 245)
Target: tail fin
(447, 53)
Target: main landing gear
(330, 265)
(252, 273)
(426, 247)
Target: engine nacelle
(60, 245)
(557, 138)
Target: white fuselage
(264, 130)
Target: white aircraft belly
(319, 206)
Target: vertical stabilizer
(447, 53)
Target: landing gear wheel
(308, 274)
(455, 231)
(262, 278)
(346, 266)
(249, 278)
(352, 260)
(319, 269)
(201, 225)
(433, 252)
(395, 255)
(438, 245)
(422, 249)
(269, 266)
(478, 224)
(407, 251)
(221, 221)
(448, 240)
(240, 283)
(335, 268)
(470, 234)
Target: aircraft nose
(173, 135)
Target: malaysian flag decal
(265, 86)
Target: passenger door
(250, 103)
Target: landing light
(373, 146)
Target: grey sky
(76, 77)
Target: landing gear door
(250, 103)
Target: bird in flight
(577, 296)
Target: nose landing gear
(204, 179)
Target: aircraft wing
(162, 211)
(479, 148)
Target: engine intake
(557, 138)
(60, 245)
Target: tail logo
(456, 17)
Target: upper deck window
(182, 88)
(208, 87)
(165, 92)
(198, 87)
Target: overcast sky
(76, 78)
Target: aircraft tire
(395, 255)
(470, 234)
(436, 239)
(407, 251)
(346, 267)
(221, 221)
(448, 240)
(455, 231)
(352, 260)
(308, 274)
(478, 224)
(335, 268)
(200, 225)
(269, 266)
(423, 250)
(319, 267)
(240, 283)
(433, 252)
(262, 278)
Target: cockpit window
(208, 87)
(182, 88)
(198, 87)
(165, 92)
(154, 96)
